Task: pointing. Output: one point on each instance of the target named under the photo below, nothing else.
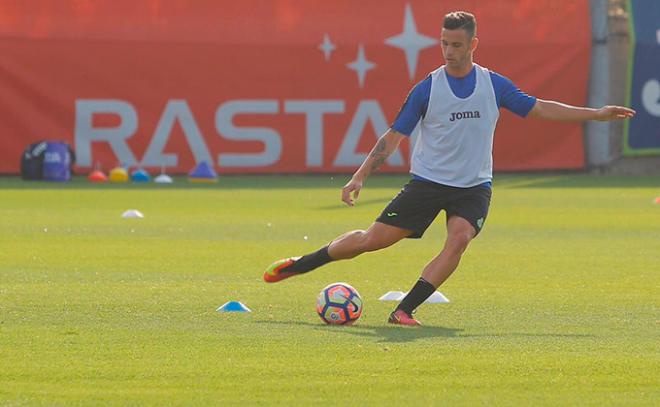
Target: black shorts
(419, 202)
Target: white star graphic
(411, 41)
(327, 47)
(361, 65)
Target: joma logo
(464, 115)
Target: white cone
(437, 298)
(163, 179)
(392, 296)
(132, 213)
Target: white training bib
(455, 143)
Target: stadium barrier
(261, 86)
(642, 135)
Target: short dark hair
(461, 19)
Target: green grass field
(556, 303)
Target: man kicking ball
(451, 165)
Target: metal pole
(598, 133)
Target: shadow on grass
(400, 334)
(382, 333)
(361, 202)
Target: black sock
(311, 261)
(419, 293)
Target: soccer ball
(339, 304)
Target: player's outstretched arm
(385, 146)
(551, 110)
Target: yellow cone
(118, 174)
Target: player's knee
(458, 242)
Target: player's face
(457, 47)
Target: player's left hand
(606, 113)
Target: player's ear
(474, 43)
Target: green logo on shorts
(480, 222)
(391, 214)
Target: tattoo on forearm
(379, 154)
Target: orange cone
(97, 176)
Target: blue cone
(233, 306)
(203, 172)
(140, 175)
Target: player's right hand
(353, 186)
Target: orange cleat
(277, 271)
(399, 317)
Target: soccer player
(451, 165)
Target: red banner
(256, 86)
